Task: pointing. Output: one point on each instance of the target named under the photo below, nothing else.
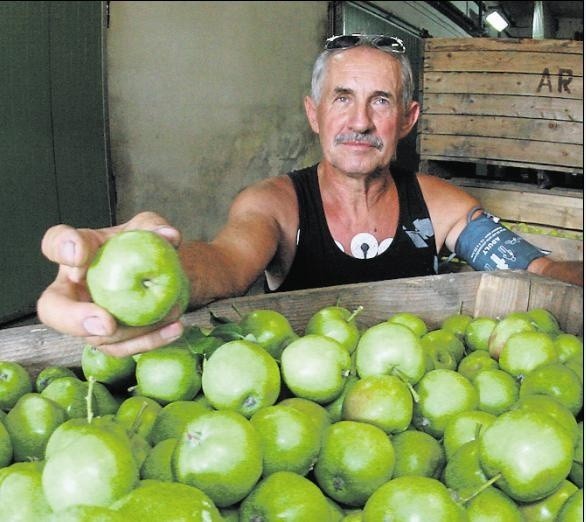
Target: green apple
(512, 323)
(463, 472)
(271, 329)
(382, 400)
(138, 414)
(412, 498)
(137, 276)
(241, 376)
(478, 333)
(573, 509)
(15, 381)
(316, 412)
(6, 450)
(31, 423)
(555, 380)
(355, 459)
(285, 495)
(411, 321)
(49, 374)
(464, 427)
(156, 501)
(568, 346)
(71, 394)
(157, 464)
(390, 348)
(21, 492)
(457, 324)
(492, 505)
(442, 394)
(528, 453)
(548, 508)
(577, 472)
(89, 463)
(315, 367)
(334, 408)
(170, 373)
(171, 420)
(113, 371)
(497, 390)
(544, 321)
(338, 323)
(220, 453)
(475, 362)
(288, 438)
(418, 453)
(443, 348)
(525, 351)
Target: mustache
(357, 137)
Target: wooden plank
(505, 163)
(527, 151)
(432, 297)
(491, 61)
(536, 107)
(504, 44)
(502, 83)
(530, 207)
(503, 127)
(503, 292)
(561, 249)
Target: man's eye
(381, 101)
(342, 98)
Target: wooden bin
(509, 102)
(491, 294)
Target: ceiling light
(497, 21)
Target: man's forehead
(363, 65)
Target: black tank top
(319, 262)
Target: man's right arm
(224, 267)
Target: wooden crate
(492, 294)
(509, 102)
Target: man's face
(360, 118)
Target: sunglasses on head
(345, 41)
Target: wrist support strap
(487, 245)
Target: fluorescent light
(496, 21)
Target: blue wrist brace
(487, 245)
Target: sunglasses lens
(342, 42)
(350, 40)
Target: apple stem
(88, 398)
(136, 423)
(484, 486)
(395, 370)
(355, 313)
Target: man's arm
(568, 271)
(226, 266)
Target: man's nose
(360, 120)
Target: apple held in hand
(137, 276)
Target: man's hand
(66, 305)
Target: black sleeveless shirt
(319, 261)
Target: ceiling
(556, 9)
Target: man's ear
(409, 119)
(311, 113)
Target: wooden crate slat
(503, 83)
(504, 44)
(562, 249)
(504, 163)
(504, 61)
(512, 105)
(568, 155)
(529, 207)
(503, 127)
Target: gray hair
(321, 63)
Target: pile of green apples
(480, 419)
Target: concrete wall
(205, 98)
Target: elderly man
(348, 219)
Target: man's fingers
(65, 314)
(142, 343)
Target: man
(347, 219)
